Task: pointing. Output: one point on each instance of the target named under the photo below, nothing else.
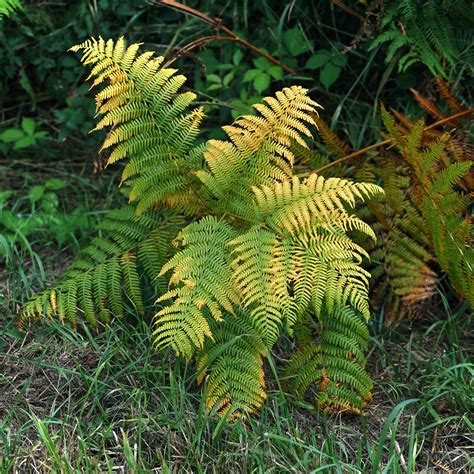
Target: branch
(384, 142)
(347, 9)
(216, 23)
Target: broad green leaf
(338, 59)
(329, 73)
(275, 71)
(250, 75)
(11, 135)
(228, 78)
(237, 57)
(213, 78)
(262, 63)
(28, 125)
(55, 184)
(261, 82)
(25, 142)
(295, 42)
(318, 60)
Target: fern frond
(296, 205)
(233, 368)
(106, 271)
(202, 274)
(146, 112)
(258, 151)
(8, 7)
(335, 365)
(262, 280)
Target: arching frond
(106, 272)
(202, 274)
(258, 151)
(142, 105)
(232, 368)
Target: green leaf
(10, 220)
(25, 142)
(228, 78)
(237, 57)
(11, 135)
(338, 59)
(262, 63)
(275, 71)
(28, 125)
(329, 73)
(36, 193)
(318, 60)
(295, 42)
(213, 78)
(55, 184)
(261, 82)
(250, 75)
(49, 202)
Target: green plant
(266, 252)
(7, 7)
(23, 137)
(330, 63)
(424, 223)
(40, 217)
(437, 33)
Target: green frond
(8, 7)
(263, 251)
(202, 274)
(334, 367)
(258, 151)
(106, 272)
(261, 276)
(295, 206)
(232, 367)
(142, 105)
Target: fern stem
(382, 143)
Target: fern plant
(263, 252)
(7, 7)
(424, 224)
(437, 34)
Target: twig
(382, 143)
(216, 23)
(347, 9)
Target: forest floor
(74, 401)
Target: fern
(426, 33)
(424, 227)
(106, 273)
(264, 251)
(443, 209)
(142, 105)
(8, 7)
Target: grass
(106, 402)
(76, 401)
